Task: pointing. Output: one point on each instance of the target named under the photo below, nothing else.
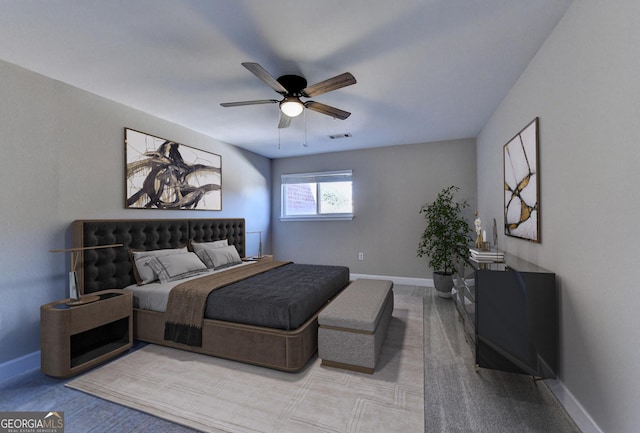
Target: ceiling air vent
(336, 136)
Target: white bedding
(154, 296)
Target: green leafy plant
(446, 237)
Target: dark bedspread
(283, 298)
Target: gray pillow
(144, 274)
(176, 266)
(199, 246)
(216, 258)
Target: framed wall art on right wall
(521, 184)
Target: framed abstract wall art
(521, 185)
(163, 174)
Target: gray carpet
(461, 399)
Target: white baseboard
(580, 416)
(397, 280)
(18, 366)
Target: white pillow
(216, 258)
(144, 274)
(176, 266)
(199, 246)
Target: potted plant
(446, 238)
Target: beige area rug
(216, 395)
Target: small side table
(76, 338)
(265, 258)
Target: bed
(233, 327)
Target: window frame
(315, 177)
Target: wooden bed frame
(110, 268)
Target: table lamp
(75, 295)
(259, 256)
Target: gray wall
(390, 185)
(63, 159)
(584, 85)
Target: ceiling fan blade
(337, 82)
(261, 73)
(285, 121)
(327, 109)
(257, 102)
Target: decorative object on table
(76, 296)
(478, 225)
(481, 235)
(486, 255)
(446, 238)
(521, 181)
(163, 174)
(260, 255)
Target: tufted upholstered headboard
(110, 268)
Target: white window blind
(317, 196)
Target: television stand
(510, 316)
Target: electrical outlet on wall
(360, 256)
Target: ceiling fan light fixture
(291, 106)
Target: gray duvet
(282, 298)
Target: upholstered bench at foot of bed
(354, 325)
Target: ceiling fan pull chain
(304, 114)
(279, 136)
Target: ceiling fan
(293, 87)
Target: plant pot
(443, 283)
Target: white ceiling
(427, 70)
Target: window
(317, 196)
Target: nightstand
(265, 258)
(76, 338)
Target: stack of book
(493, 255)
